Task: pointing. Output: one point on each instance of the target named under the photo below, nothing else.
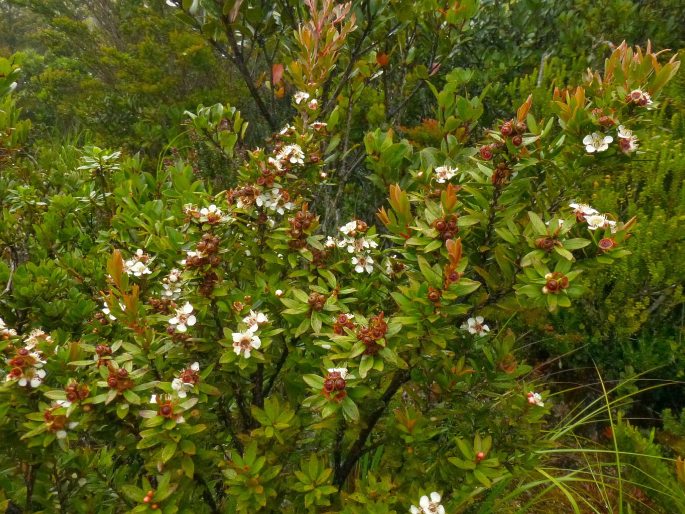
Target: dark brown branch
(399, 378)
(279, 366)
(357, 52)
(337, 449)
(258, 386)
(207, 494)
(239, 60)
(225, 417)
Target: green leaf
(188, 466)
(576, 243)
(464, 286)
(169, 451)
(350, 409)
(433, 278)
(365, 365)
(538, 225)
(482, 478)
(462, 464)
(314, 381)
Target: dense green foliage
(309, 256)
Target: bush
(178, 340)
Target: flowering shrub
(187, 349)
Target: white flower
(185, 383)
(192, 253)
(213, 214)
(184, 318)
(341, 371)
(4, 331)
(360, 245)
(37, 358)
(627, 141)
(596, 142)
(313, 104)
(245, 342)
(275, 163)
(362, 263)
(173, 277)
(330, 242)
(107, 312)
(300, 97)
(349, 228)
(153, 398)
(596, 221)
(286, 129)
(33, 381)
(639, 97)
(476, 326)
(318, 125)
(584, 209)
(138, 269)
(254, 319)
(171, 287)
(36, 336)
(181, 387)
(624, 133)
(535, 399)
(292, 154)
(278, 293)
(273, 200)
(136, 265)
(209, 210)
(429, 505)
(445, 173)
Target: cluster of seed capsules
(118, 379)
(300, 226)
(447, 226)
(206, 254)
(147, 499)
(242, 196)
(334, 386)
(555, 283)
(373, 333)
(499, 151)
(76, 392)
(54, 422)
(316, 301)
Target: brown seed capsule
(486, 152)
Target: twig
(14, 258)
(399, 378)
(279, 366)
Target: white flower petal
(424, 502)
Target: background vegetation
(98, 151)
